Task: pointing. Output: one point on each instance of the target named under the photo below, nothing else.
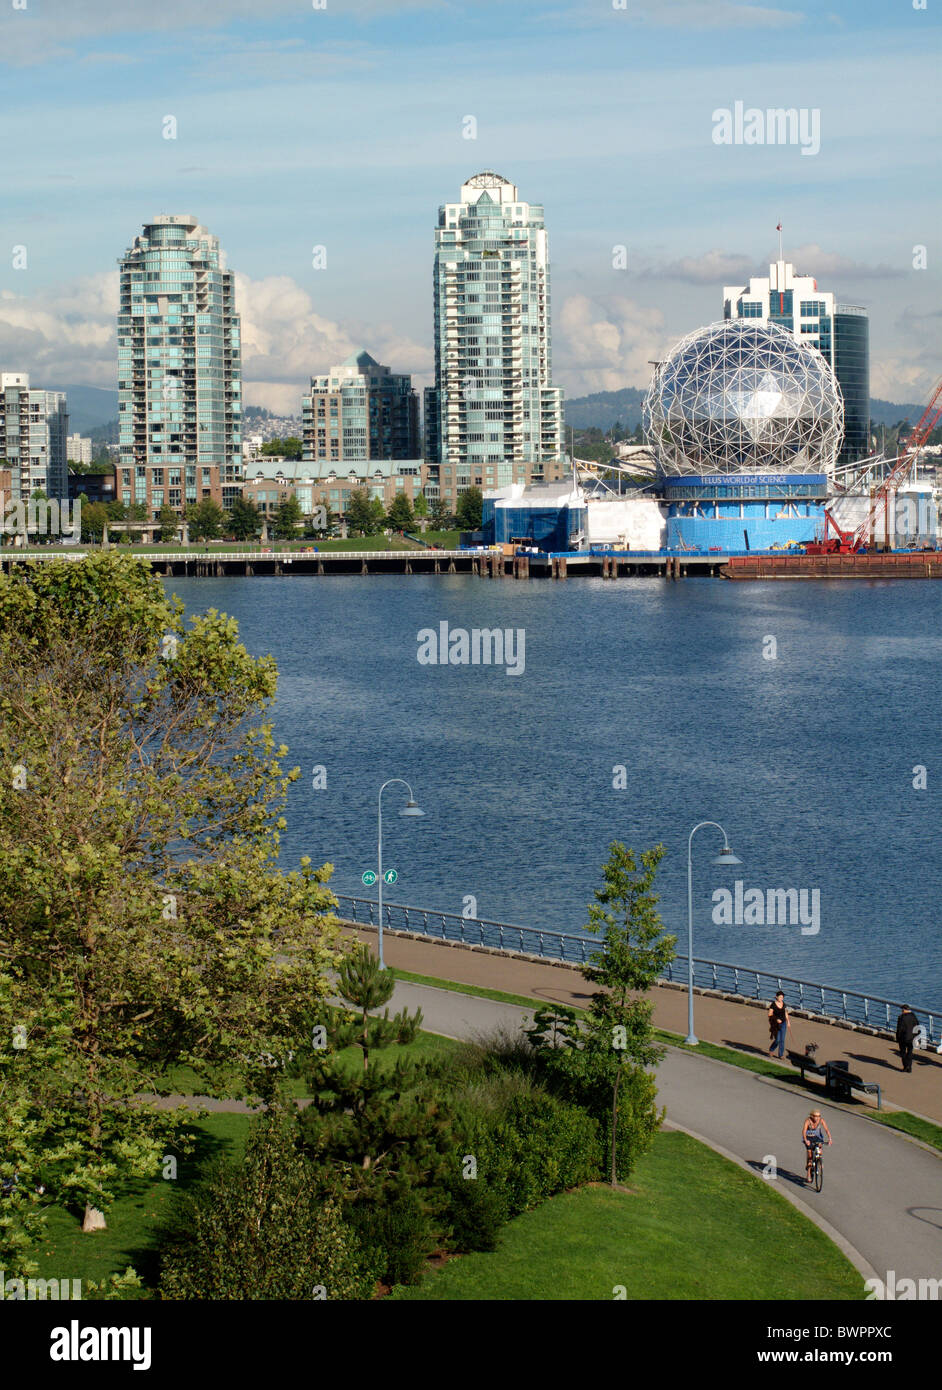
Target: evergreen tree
(470, 504)
(245, 521)
(169, 522)
(288, 518)
(400, 514)
(378, 1122)
(359, 513)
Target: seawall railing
(831, 1001)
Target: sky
(344, 124)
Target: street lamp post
(725, 856)
(410, 809)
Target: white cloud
(603, 347)
(49, 32)
(68, 334)
(63, 334)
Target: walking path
(716, 1020)
(882, 1195)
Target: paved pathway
(717, 1020)
(882, 1192)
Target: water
(807, 759)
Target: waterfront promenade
(741, 1026)
(881, 1198)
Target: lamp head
(411, 808)
(726, 856)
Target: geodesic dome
(740, 397)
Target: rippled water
(807, 759)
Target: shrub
(396, 1232)
(475, 1214)
(527, 1144)
(261, 1230)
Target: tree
(400, 514)
(289, 448)
(205, 519)
(359, 512)
(605, 1063)
(374, 1122)
(169, 523)
(377, 515)
(470, 504)
(261, 1229)
(439, 512)
(95, 518)
(135, 758)
(245, 521)
(288, 518)
(421, 505)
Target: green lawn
(67, 1253)
(133, 1221)
(694, 1226)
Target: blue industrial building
(549, 516)
(746, 511)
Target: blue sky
(342, 127)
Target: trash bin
(838, 1079)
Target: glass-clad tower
(840, 332)
(493, 416)
(179, 370)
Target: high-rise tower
(840, 332)
(493, 416)
(179, 370)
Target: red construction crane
(924, 427)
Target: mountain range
(93, 407)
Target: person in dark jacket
(779, 1024)
(906, 1026)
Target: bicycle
(817, 1165)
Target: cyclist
(814, 1131)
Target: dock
(494, 564)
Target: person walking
(779, 1024)
(906, 1026)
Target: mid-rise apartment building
(34, 427)
(360, 410)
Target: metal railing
(195, 553)
(830, 1001)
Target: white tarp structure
(626, 523)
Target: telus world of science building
(746, 422)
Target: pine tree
(378, 1121)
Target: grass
(134, 1220)
(914, 1125)
(477, 990)
(694, 1226)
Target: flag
(779, 227)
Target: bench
(805, 1063)
(840, 1081)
